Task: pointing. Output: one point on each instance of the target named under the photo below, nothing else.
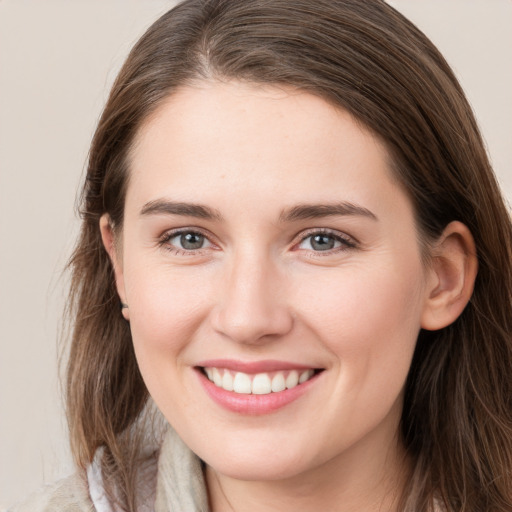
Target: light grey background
(57, 61)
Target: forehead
(259, 141)
(233, 112)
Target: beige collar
(180, 483)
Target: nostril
(247, 326)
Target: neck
(360, 479)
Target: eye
(186, 241)
(324, 241)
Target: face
(267, 247)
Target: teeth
(227, 381)
(292, 380)
(304, 376)
(278, 383)
(242, 384)
(217, 377)
(259, 384)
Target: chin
(256, 463)
(261, 470)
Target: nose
(252, 306)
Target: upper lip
(253, 366)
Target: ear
(451, 277)
(112, 248)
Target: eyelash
(169, 235)
(345, 241)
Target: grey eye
(320, 242)
(189, 241)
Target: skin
(258, 289)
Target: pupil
(192, 241)
(322, 242)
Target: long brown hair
(366, 58)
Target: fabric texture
(96, 490)
(180, 483)
(70, 495)
(179, 486)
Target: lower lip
(254, 404)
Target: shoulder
(70, 495)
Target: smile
(257, 384)
(255, 388)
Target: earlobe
(452, 275)
(109, 242)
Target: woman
(293, 242)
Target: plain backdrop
(57, 61)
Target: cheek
(369, 322)
(166, 308)
(361, 300)
(369, 319)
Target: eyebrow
(293, 214)
(315, 211)
(163, 206)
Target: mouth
(249, 389)
(263, 383)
